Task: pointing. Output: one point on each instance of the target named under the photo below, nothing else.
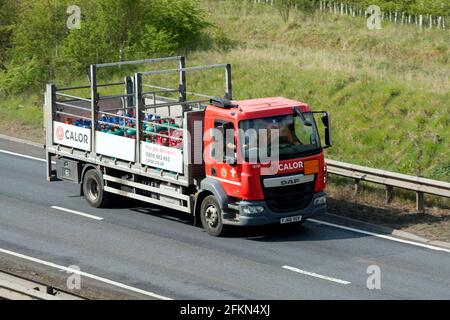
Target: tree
(8, 15)
(38, 47)
(284, 7)
(185, 20)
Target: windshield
(295, 137)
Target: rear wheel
(211, 216)
(93, 189)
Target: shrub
(110, 30)
(20, 78)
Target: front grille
(289, 198)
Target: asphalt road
(160, 251)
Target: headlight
(252, 209)
(321, 200)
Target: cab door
(223, 156)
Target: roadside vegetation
(38, 46)
(388, 90)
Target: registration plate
(291, 219)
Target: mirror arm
(299, 113)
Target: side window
(304, 133)
(224, 131)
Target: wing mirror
(326, 123)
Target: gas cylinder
(130, 133)
(164, 141)
(175, 143)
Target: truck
(162, 145)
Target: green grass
(375, 123)
(24, 110)
(388, 90)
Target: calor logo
(291, 166)
(60, 133)
(71, 136)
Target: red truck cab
(254, 188)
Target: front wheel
(93, 189)
(211, 217)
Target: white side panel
(154, 155)
(115, 146)
(71, 136)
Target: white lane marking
(84, 274)
(315, 275)
(418, 244)
(77, 213)
(21, 155)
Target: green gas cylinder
(131, 132)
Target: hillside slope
(388, 90)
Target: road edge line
(382, 236)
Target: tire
(93, 189)
(211, 217)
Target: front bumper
(270, 217)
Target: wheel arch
(199, 197)
(215, 188)
(209, 187)
(86, 168)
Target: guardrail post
(389, 194)
(356, 187)
(420, 203)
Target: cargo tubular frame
(184, 201)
